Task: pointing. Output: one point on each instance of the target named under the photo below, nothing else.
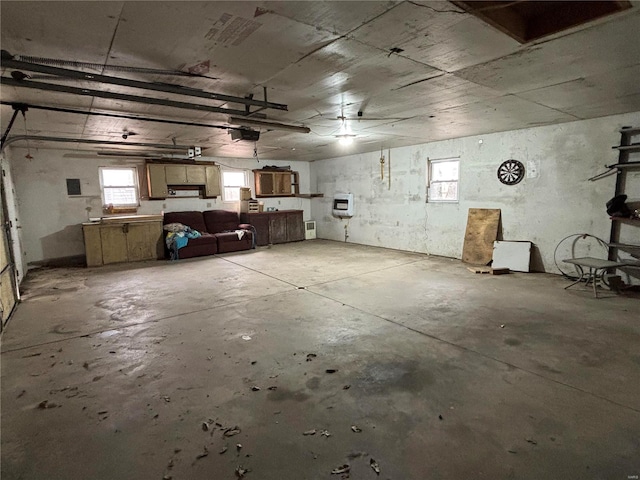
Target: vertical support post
(6, 132)
(621, 178)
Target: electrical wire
(26, 133)
(435, 9)
(229, 166)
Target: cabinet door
(278, 228)
(156, 181)
(283, 183)
(212, 181)
(295, 227)
(142, 242)
(114, 243)
(176, 174)
(196, 175)
(92, 245)
(260, 222)
(264, 183)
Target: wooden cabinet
(276, 227)
(212, 181)
(295, 227)
(176, 174)
(275, 183)
(160, 176)
(113, 244)
(185, 174)
(196, 175)
(157, 181)
(123, 240)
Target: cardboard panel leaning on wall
(555, 198)
(51, 227)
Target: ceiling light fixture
(345, 137)
(252, 122)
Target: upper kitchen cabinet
(161, 176)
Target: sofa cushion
(220, 220)
(207, 244)
(205, 239)
(193, 219)
(229, 242)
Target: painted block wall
(51, 220)
(555, 200)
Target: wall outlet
(208, 204)
(164, 205)
(532, 169)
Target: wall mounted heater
(310, 230)
(343, 204)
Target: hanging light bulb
(345, 137)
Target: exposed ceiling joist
(321, 60)
(52, 87)
(137, 118)
(8, 62)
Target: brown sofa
(218, 232)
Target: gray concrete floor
(133, 359)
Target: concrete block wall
(553, 201)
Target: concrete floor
(133, 359)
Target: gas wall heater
(310, 230)
(343, 205)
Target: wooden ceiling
(401, 72)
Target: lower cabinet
(118, 242)
(276, 227)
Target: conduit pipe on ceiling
(17, 105)
(87, 92)
(9, 62)
(42, 138)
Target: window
(442, 180)
(119, 186)
(231, 182)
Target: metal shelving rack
(622, 168)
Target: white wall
(51, 220)
(543, 209)
(13, 217)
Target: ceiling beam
(40, 138)
(126, 82)
(16, 106)
(86, 92)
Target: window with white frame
(442, 180)
(119, 186)
(231, 183)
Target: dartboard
(511, 172)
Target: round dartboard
(511, 172)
